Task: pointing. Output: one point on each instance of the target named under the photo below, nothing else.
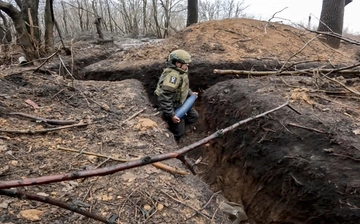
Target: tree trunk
(87, 20)
(109, 14)
(98, 27)
(64, 17)
(167, 12)
(21, 31)
(49, 26)
(155, 14)
(31, 18)
(331, 20)
(80, 14)
(347, 2)
(192, 13)
(145, 18)
(6, 27)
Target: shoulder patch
(173, 79)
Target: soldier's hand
(175, 119)
(195, 93)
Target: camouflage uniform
(172, 90)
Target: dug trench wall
(281, 172)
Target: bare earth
(151, 195)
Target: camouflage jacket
(172, 90)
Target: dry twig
(24, 195)
(307, 128)
(47, 59)
(298, 52)
(341, 84)
(158, 165)
(49, 121)
(134, 115)
(43, 130)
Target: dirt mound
(234, 40)
(286, 167)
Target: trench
(280, 174)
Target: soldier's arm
(166, 103)
(170, 85)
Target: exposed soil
(283, 168)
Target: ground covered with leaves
(296, 166)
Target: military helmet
(179, 56)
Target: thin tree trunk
(64, 17)
(32, 6)
(7, 30)
(167, 11)
(157, 26)
(144, 17)
(109, 14)
(87, 17)
(49, 26)
(97, 21)
(21, 31)
(98, 27)
(102, 16)
(80, 14)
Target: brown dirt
(280, 173)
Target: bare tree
(220, 9)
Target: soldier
(173, 89)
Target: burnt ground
(286, 167)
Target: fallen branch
(158, 165)
(124, 166)
(298, 52)
(47, 59)
(296, 72)
(332, 34)
(134, 115)
(307, 128)
(43, 130)
(24, 195)
(56, 122)
(169, 168)
(341, 84)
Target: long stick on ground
(43, 130)
(49, 121)
(24, 195)
(158, 165)
(297, 72)
(124, 166)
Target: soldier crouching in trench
(173, 89)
